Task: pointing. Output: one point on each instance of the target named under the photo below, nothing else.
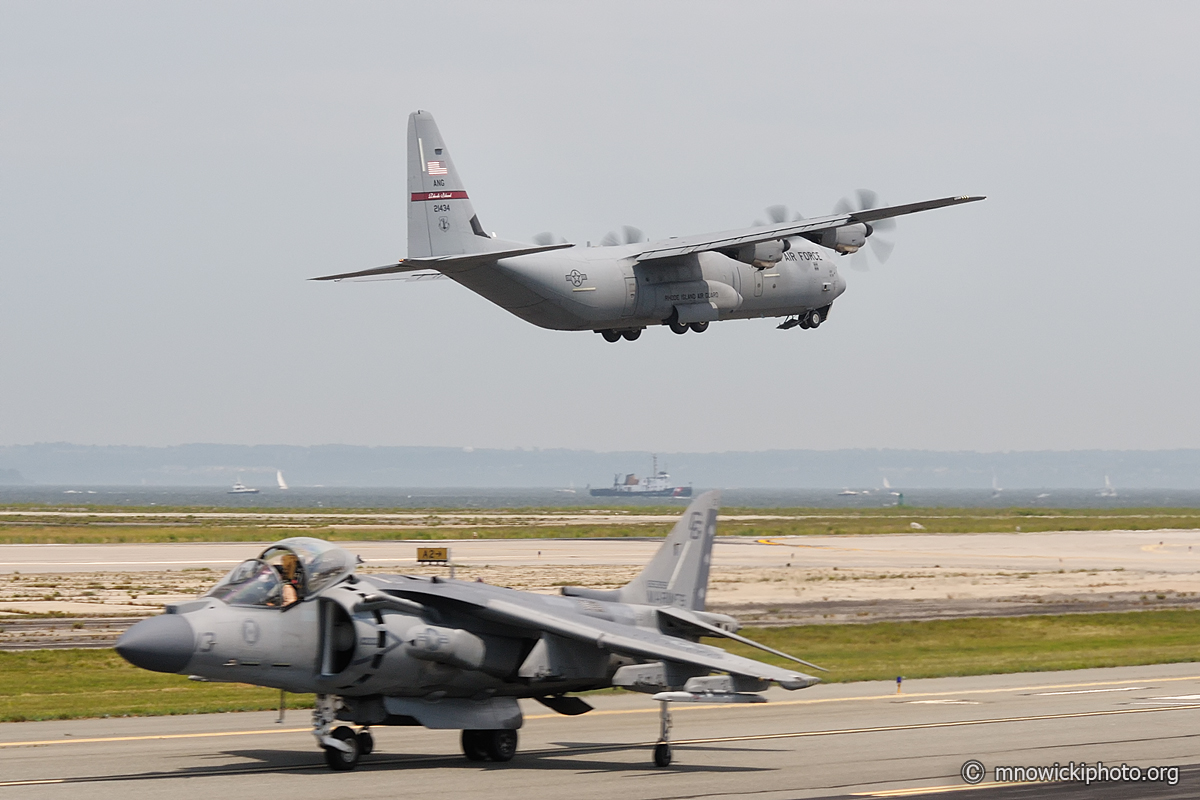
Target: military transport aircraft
(407, 650)
(785, 269)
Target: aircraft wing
(605, 634)
(441, 263)
(671, 248)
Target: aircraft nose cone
(163, 643)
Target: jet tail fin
(678, 573)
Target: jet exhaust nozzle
(163, 644)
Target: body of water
(400, 498)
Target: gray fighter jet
(785, 269)
(407, 650)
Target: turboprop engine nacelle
(763, 254)
(846, 239)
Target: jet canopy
(285, 573)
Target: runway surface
(1167, 551)
(828, 741)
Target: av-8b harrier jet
(786, 269)
(405, 650)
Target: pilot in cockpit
(290, 568)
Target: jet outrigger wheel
(662, 749)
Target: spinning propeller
(632, 236)
(547, 237)
(881, 248)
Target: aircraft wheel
(662, 754)
(610, 336)
(366, 742)
(814, 319)
(679, 327)
(474, 745)
(501, 744)
(699, 327)
(633, 334)
(341, 760)
(804, 323)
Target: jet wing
(612, 636)
(441, 263)
(672, 248)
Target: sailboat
(1108, 490)
(279, 479)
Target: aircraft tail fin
(678, 573)
(441, 220)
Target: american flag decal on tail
(436, 167)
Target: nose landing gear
(807, 320)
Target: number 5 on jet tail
(405, 650)
(784, 269)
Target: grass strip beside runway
(983, 645)
(68, 684)
(440, 525)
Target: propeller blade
(633, 235)
(610, 240)
(859, 261)
(867, 199)
(544, 238)
(777, 214)
(887, 224)
(882, 248)
(842, 207)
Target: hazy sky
(171, 173)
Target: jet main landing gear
(493, 745)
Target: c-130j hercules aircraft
(779, 270)
(405, 650)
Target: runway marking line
(918, 790)
(149, 737)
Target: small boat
(241, 488)
(847, 493)
(1108, 490)
(279, 479)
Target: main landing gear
(496, 745)
(613, 335)
(682, 327)
(343, 747)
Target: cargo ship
(658, 485)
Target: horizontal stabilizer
(681, 615)
(442, 263)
